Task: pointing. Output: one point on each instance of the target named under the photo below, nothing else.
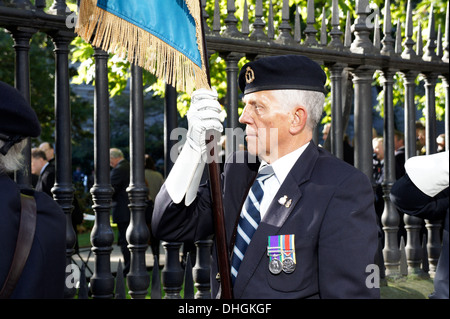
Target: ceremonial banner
(161, 36)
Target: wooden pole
(216, 197)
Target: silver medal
(288, 265)
(275, 266)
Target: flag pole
(216, 196)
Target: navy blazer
(46, 179)
(44, 273)
(332, 216)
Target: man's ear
(298, 120)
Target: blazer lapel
(276, 216)
(289, 193)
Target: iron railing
(351, 55)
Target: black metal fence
(352, 55)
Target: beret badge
(249, 75)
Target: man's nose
(245, 117)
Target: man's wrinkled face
(267, 125)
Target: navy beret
(17, 118)
(284, 72)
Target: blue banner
(169, 20)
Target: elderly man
(43, 273)
(300, 223)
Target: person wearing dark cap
(43, 274)
(299, 222)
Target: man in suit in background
(41, 167)
(49, 151)
(299, 222)
(399, 146)
(120, 179)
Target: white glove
(430, 173)
(204, 114)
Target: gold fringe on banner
(116, 35)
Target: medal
(275, 266)
(288, 265)
(281, 252)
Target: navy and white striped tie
(249, 219)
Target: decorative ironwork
(359, 52)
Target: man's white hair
(13, 160)
(313, 101)
(115, 153)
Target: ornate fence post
(102, 236)
(433, 226)
(362, 79)
(172, 274)
(412, 224)
(284, 28)
(63, 189)
(137, 233)
(22, 37)
(336, 71)
(430, 115)
(170, 123)
(390, 218)
(310, 31)
(258, 24)
(337, 123)
(232, 70)
(231, 22)
(410, 113)
(201, 270)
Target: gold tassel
(115, 35)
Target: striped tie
(249, 219)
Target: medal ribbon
(281, 246)
(289, 246)
(274, 247)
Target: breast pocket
(304, 270)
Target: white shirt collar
(283, 165)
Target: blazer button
(218, 277)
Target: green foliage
(42, 68)
(118, 74)
(42, 82)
